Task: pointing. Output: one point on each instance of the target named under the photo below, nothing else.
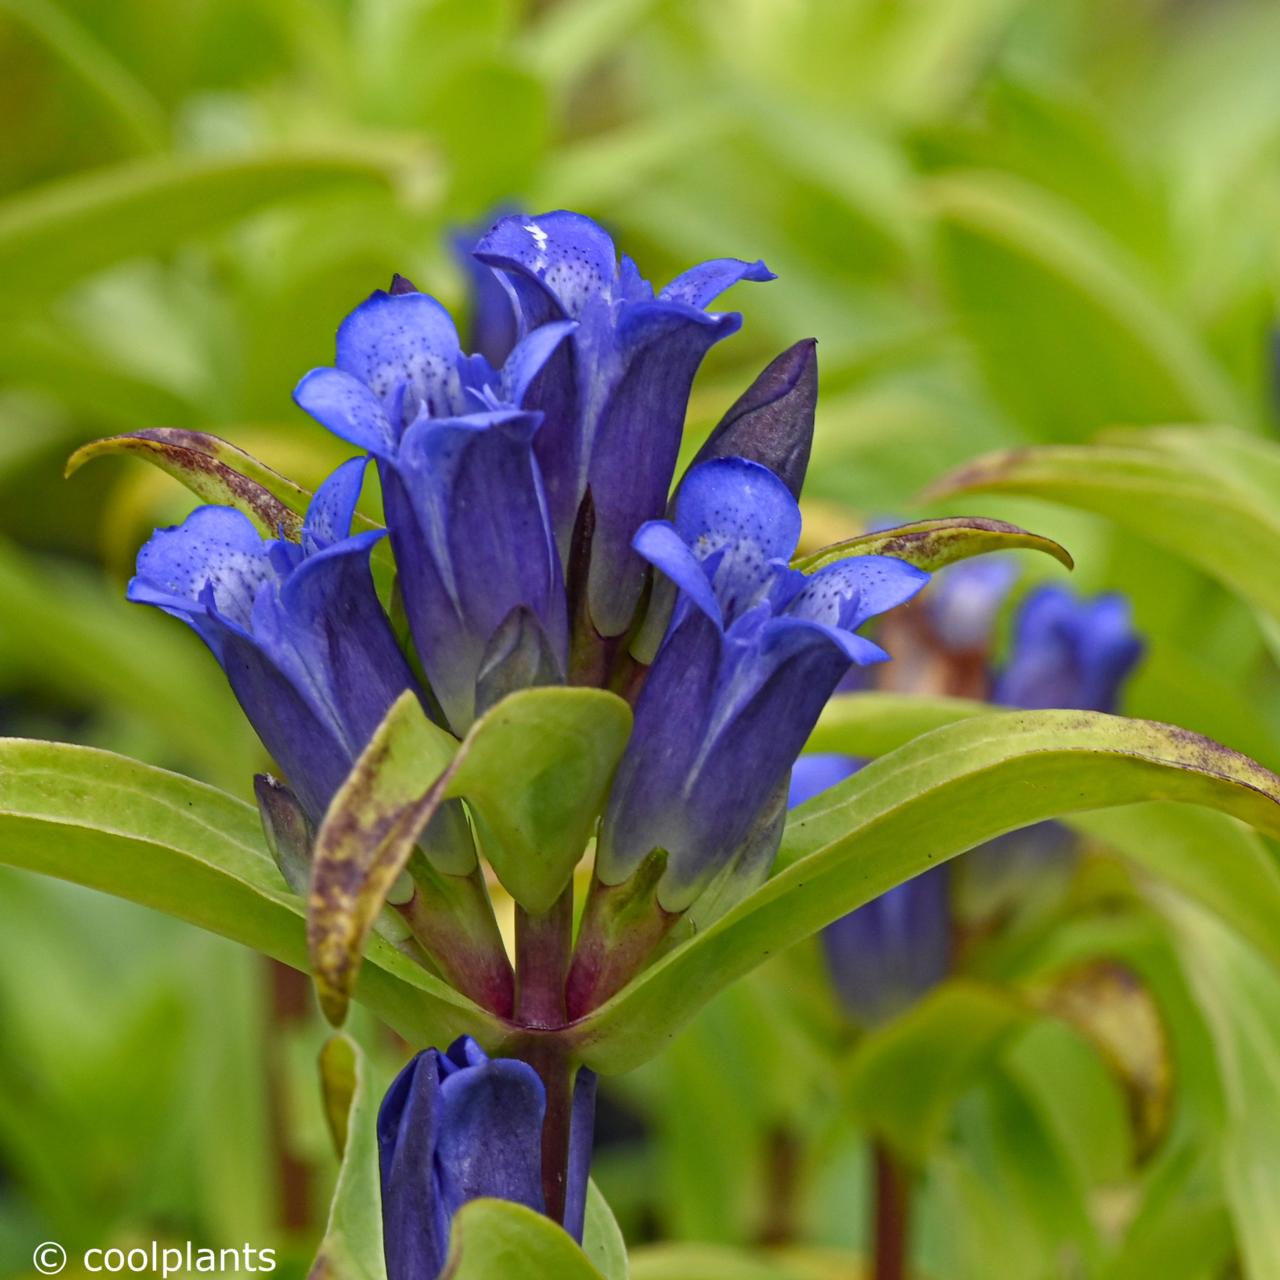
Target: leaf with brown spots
(934, 544)
(366, 839)
(214, 470)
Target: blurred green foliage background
(1006, 221)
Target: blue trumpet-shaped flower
(615, 396)
(463, 492)
(1069, 653)
(753, 652)
(1065, 653)
(885, 955)
(297, 627)
(457, 1126)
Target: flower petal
(472, 538)
(885, 955)
(568, 258)
(529, 356)
(348, 408)
(415, 1226)
(811, 775)
(704, 283)
(215, 552)
(848, 593)
(667, 551)
(636, 441)
(408, 338)
(330, 512)
(490, 1135)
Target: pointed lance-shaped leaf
(352, 1244)
(939, 795)
(934, 544)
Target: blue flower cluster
(1065, 652)
(526, 506)
(529, 507)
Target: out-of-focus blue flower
(457, 1126)
(493, 325)
(1069, 653)
(753, 652)
(887, 954)
(463, 495)
(1065, 653)
(297, 627)
(963, 602)
(615, 396)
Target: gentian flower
(615, 396)
(753, 652)
(1069, 653)
(1065, 653)
(296, 626)
(457, 1126)
(462, 490)
(888, 953)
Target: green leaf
(352, 1244)
(934, 544)
(602, 1240)
(213, 470)
(1239, 995)
(535, 771)
(904, 1077)
(937, 796)
(139, 115)
(720, 1262)
(187, 849)
(1206, 855)
(874, 722)
(1213, 860)
(1210, 496)
(496, 1238)
(54, 235)
(1032, 280)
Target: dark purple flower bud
(753, 652)
(463, 492)
(887, 954)
(616, 394)
(772, 421)
(457, 1126)
(1069, 653)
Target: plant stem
(892, 1212)
(543, 946)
